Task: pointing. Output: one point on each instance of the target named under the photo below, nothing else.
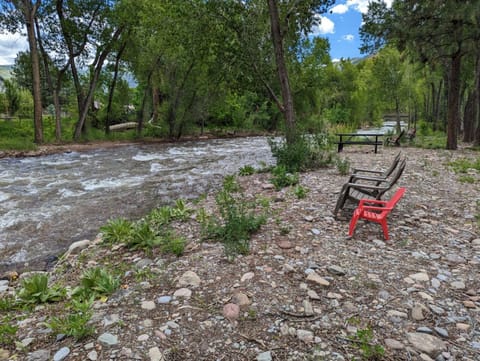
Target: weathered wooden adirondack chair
(367, 187)
(375, 211)
(395, 140)
(377, 173)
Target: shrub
(36, 290)
(117, 230)
(97, 282)
(172, 243)
(300, 192)
(282, 178)
(75, 324)
(246, 170)
(237, 222)
(8, 331)
(343, 165)
(304, 153)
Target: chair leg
(342, 197)
(353, 222)
(384, 228)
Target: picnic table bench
(359, 138)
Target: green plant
(143, 237)
(364, 340)
(8, 332)
(466, 179)
(238, 220)
(159, 217)
(172, 243)
(97, 281)
(117, 230)
(181, 211)
(300, 192)
(75, 324)
(303, 152)
(246, 170)
(343, 165)
(463, 165)
(8, 303)
(36, 290)
(282, 178)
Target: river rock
(39, 355)
(61, 354)
(155, 354)
(189, 278)
(241, 299)
(316, 278)
(264, 356)
(426, 343)
(107, 339)
(231, 311)
(394, 344)
(77, 247)
(182, 293)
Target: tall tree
(14, 14)
(433, 31)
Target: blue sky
(340, 25)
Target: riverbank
(305, 291)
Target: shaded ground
(306, 292)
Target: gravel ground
(305, 292)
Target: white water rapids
(48, 202)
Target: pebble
(426, 343)
(164, 299)
(336, 270)
(61, 354)
(247, 276)
(241, 299)
(315, 278)
(419, 277)
(231, 311)
(39, 355)
(305, 336)
(182, 293)
(189, 278)
(155, 354)
(458, 285)
(441, 332)
(394, 344)
(148, 305)
(92, 355)
(264, 356)
(107, 339)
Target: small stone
(110, 320)
(462, 326)
(417, 313)
(307, 308)
(92, 355)
(313, 295)
(61, 354)
(264, 356)
(231, 311)
(305, 336)
(155, 354)
(315, 278)
(426, 343)
(76, 247)
(143, 337)
(189, 278)
(336, 270)
(425, 296)
(458, 285)
(4, 354)
(145, 262)
(441, 332)
(395, 313)
(182, 293)
(436, 310)
(39, 355)
(394, 344)
(107, 339)
(469, 304)
(247, 276)
(315, 231)
(419, 277)
(425, 329)
(164, 299)
(241, 299)
(285, 244)
(148, 305)
(455, 259)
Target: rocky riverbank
(305, 292)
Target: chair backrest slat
(395, 198)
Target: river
(49, 202)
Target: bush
(36, 290)
(282, 178)
(304, 153)
(96, 282)
(117, 230)
(237, 222)
(76, 323)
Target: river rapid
(49, 202)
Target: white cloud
(10, 45)
(348, 37)
(357, 5)
(339, 9)
(325, 26)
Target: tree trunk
(277, 38)
(453, 101)
(469, 118)
(112, 87)
(476, 140)
(29, 10)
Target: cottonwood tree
(14, 15)
(432, 31)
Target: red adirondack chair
(375, 211)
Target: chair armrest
(370, 202)
(355, 170)
(367, 178)
(373, 208)
(368, 186)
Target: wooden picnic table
(360, 139)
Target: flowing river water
(49, 202)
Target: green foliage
(343, 165)
(282, 178)
(300, 192)
(8, 331)
(364, 340)
(117, 230)
(238, 220)
(463, 165)
(36, 290)
(172, 243)
(75, 324)
(304, 153)
(246, 170)
(143, 237)
(96, 282)
(8, 303)
(181, 211)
